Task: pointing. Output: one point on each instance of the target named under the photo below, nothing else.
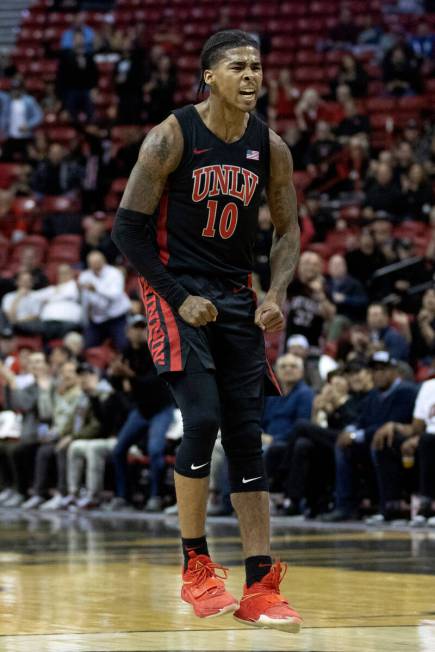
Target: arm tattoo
(284, 253)
(159, 155)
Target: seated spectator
(346, 292)
(370, 35)
(20, 113)
(104, 301)
(50, 104)
(353, 164)
(423, 42)
(34, 402)
(345, 31)
(150, 415)
(381, 229)
(8, 347)
(57, 357)
(123, 158)
(322, 159)
(81, 443)
(68, 413)
(309, 305)
(97, 238)
(283, 96)
(401, 72)
(423, 328)
(383, 334)
(60, 310)
(417, 194)
(321, 218)
(281, 413)
(108, 40)
(412, 134)
(392, 399)
(263, 242)
(160, 91)
(22, 305)
(74, 342)
(57, 174)
(420, 442)
(29, 263)
(387, 441)
(382, 194)
(312, 466)
(297, 140)
(77, 75)
(354, 122)
(404, 158)
(351, 72)
(78, 26)
(129, 78)
(309, 110)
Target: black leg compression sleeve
(241, 439)
(196, 394)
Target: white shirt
(424, 408)
(108, 300)
(17, 118)
(28, 305)
(60, 302)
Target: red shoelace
(201, 570)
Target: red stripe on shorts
(176, 362)
(272, 377)
(162, 232)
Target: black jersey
(207, 218)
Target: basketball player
(187, 223)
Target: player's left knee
(245, 461)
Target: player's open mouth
(248, 93)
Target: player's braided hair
(217, 44)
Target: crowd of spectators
(352, 434)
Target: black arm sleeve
(132, 236)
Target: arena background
(350, 87)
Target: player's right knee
(194, 453)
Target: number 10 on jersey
(227, 220)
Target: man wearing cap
(392, 400)
(281, 413)
(150, 418)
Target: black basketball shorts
(232, 346)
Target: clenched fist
(269, 317)
(197, 311)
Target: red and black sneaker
(262, 604)
(204, 589)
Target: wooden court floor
(94, 584)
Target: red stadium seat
(24, 206)
(118, 185)
(59, 204)
(61, 134)
(99, 356)
(33, 342)
(63, 253)
(8, 173)
(4, 251)
(380, 104)
(37, 242)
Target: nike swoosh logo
(201, 151)
(245, 481)
(199, 466)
